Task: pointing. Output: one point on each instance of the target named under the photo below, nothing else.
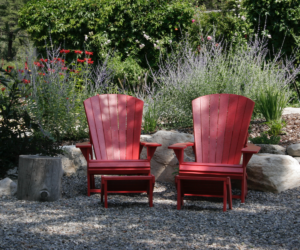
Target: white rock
(293, 149)
(298, 159)
(164, 162)
(7, 187)
(73, 161)
(272, 149)
(288, 111)
(274, 173)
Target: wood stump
(39, 178)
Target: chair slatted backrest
(115, 126)
(221, 124)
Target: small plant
(275, 127)
(263, 139)
(19, 133)
(270, 101)
(150, 118)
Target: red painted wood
(244, 128)
(106, 121)
(196, 105)
(213, 126)
(232, 107)
(114, 124)
(204, 117)
(130, 126)
(234, 152)
(223, 108)
(138, 115)
(122, 111)
(203, 186)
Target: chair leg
(92, 181)
(243, 189)
(229, 195)
(224, 196)
(102, 188)
(88, 184)
(105, 196)
(179, 198)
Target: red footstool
(203, 186)
(127, 184)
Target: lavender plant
(216, 67)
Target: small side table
(127, 184)
(203, 186)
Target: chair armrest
(150, 144)
(84, 145)
(181, 145)
(251, 149)
(151, 147)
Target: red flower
(87, 59)
(64, 51)
(43, 60)
(89, 53)
(25, 81)
(3, 89)
(26, 66)
(80, 61)
(53, 70)
(67, 98)
(90, 62)
(78, 52)
(42, 74)
(61, 74)
(10, 67)
(8, 71)
(246, 36)
(21, 71)
(64, 68)
(217, 44)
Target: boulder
(293, 149)
(273, 173)
(272, 149)
(287, 111)
(164, 162)
(298, 159)
(7, 187)
(73, 161)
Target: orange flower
(3, 89)
(176, 28)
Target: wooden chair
(221, 124)
(115, 126)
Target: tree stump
(39, 178)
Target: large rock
(293, 149)
(7, 187)
(164, 162)
(73, 161)
(272, 149)
(274, 173)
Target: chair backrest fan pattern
(115, 125)
(221, 124)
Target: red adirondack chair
(221, 124)
(115, 126)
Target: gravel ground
(265, 221)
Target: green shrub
(278, 19)
(263, 139)
(130, 27)
(271, 100)
(151, 117)
(275, 127)
(19, 133)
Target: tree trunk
(9, 47)
(39, 178)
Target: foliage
(275, 127)
(282, 22)
(151, 117)
(11, 35)
(264, 139)
(135, 28)
(19, 134)
(217, 68)
(59, 89)
(271, 100)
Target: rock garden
(167, 54)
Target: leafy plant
(135, 28)
(151, 117)
(263, 139)
(19, 133)
(275, 127)
(271, 100)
